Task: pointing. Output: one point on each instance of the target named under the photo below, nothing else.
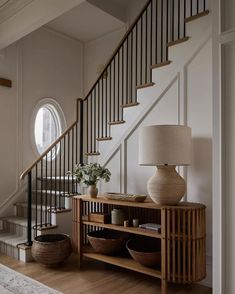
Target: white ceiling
(85, 22)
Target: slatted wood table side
(182, 236)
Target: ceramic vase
(92, 191)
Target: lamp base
(166, 187)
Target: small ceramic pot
(92, 191)
(117, 217)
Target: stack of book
(151, 226)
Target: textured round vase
(166, 187)
(92, 191)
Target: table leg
(164, 287)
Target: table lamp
(165, 146)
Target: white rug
(14, 282)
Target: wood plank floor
(95, 278)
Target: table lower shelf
(124, 262)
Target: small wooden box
(103, 218)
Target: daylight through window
(47, 128)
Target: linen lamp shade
(165, 146)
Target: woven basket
(145, 251)
(107, 241)
(51, 249)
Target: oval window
(47, 128)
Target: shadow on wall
(200, 172)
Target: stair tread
(67, 178)
(44, 207)
(11, 238)
(18, 220)
(25, 205)
(53, 192)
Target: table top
(148, 203)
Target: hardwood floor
(95, 278)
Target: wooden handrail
(119, 46)
(53, 144)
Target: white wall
(43, 64)
(99, 52)
(224, 144)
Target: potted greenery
(90, 174)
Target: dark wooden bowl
(51, 249)
(145, 251)
(107, 241)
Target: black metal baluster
(87, 124)
(51, 179)
(118, 85)
(81, 132)
(162, 30)
(127, 71)
(102, 110)
(156, 33)
(94, 119)
(178, 19)
(29, 212)
(72, 164)
(204, 5)
(136, 55)
(123, 74)
(91, 125)
(151, 38)
(98, 112)
(166, 32)
(197, 6)
(173, 22)
(184, 24)
(41, 200)
(141, 49)
(114, 89)
(106, 102)
(102, 105)
(55, 176)
(46, 198)
(60, 174)
(64, 171)
(68, 163)
(110, 93)
(36, 199)
(131, 67)
(146, 46)
(76, 140)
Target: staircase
(139, 56)
(14, 229)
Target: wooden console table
(183, 257)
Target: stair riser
(48, 200)
(16, 229)
(58, 201)
(22, 212)
(9, 250)
(66, 186)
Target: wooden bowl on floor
(107, 241)
(145, 251)
(51, 249)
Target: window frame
(59, 117)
